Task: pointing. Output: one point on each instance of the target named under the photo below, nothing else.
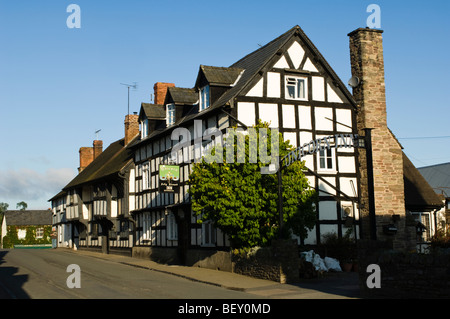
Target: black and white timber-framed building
(287, 83)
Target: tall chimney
(86, 157)
(160, 90)
(98, 148)
(131, 127)
(367, 63)
(89, 154)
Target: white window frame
(172, 227)
(170, 114)
(39, 232)
(204, 100)
(209, 233)
(327, 154)
(288, 82)
(146, 226)
(144, 128)
(146, 176)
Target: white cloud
(32, 186)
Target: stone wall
(367, 63)
(279, 263)
(406, 275)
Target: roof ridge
(297, 27)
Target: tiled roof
(438, 176)
(182, 95)
(220, 76)
(28, 217)
(108, 163)
(419, 195)
(153, 111)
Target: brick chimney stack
(89, 154)
(367, 63)
(98, 148)
(86, 157)
(160, 90)
(131, 127)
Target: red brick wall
(131, 127)
(160, 90)
(86, 157)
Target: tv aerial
(96, 134)
(134, 86)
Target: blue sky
(59, 85)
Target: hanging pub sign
(169, 178)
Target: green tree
(22, 205)
(242, 202)
(3, 207)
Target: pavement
(333, 285)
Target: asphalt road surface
(43, 274)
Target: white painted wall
(257, 90)
(288, 116)
(296, 54)
(282, 63)
(318, 88)
(273, 84)
(332, 96)
(246, 113)
(327, 210)
(268, 112)
(322, 123)
(304, 117)
(309, 66)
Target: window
(170, 114)
(296, 88)
(146, 176)
(21, 233)
(204, 98)
(208, 234)
(326, 159)
(39, 233)
(144, 128)
(172, 227)
(146, 226)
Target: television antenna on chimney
(134, 86)
(96, 134)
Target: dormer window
(296, 88)
(170, 114)
(204, 98)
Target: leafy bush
(12, 239)
(440, 240)
(342, 248)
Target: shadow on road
(10, 283)
(343, 284)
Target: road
(42, 274)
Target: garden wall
(406, 275)
(279, 262)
